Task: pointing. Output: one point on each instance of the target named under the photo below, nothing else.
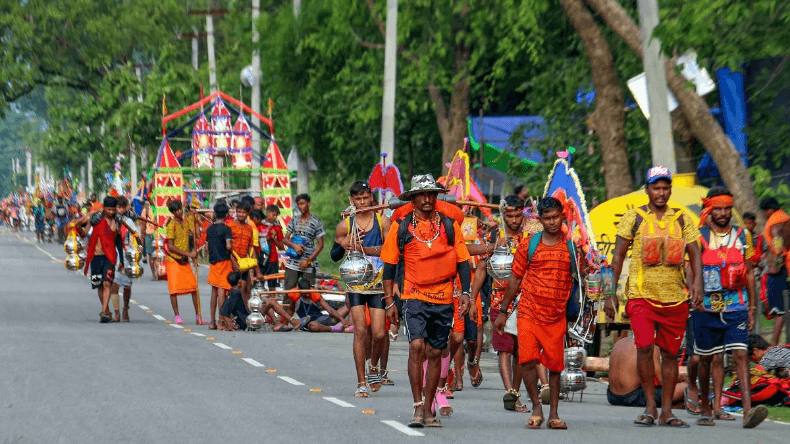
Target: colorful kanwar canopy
(460, 183)
(220, 127)
(241, 144)
(276, 181)
(202, 155)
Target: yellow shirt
(255, 241)
(179, 233)
(661, 283)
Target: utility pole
(219, 184)
(29, 167)
(82, 178)
(302, 169)
(663, 146)
(256, 93)
(195, 49)
(390, 65)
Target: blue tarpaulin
(496, 132)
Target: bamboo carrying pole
(389, 206)
(312, 290)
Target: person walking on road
(430, 248)
(102, 255)
(219, 240)
(180, 277)
(543, 271)
(371, 228)
(776, 263)
(729, 307)
(660, 237)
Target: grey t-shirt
(776, 357)
(311, 229)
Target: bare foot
(125, 317)
(117, 317)
(212, 325)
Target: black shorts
(245, 275)
(371, 300)
(431, 322)
(470, 329)
(776, 284)
(636, 398)
(320, 318)
(102, 270)
(267, 269)
(689, 339)
(293, 276)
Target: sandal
(645, 420)
(706, 421)
(475, 377)
(178, 320)
(283, 328)
(723, 416)
(447, 392)
(362, 391)
(199, 320)
(674, 422)
(418, 421)
(534, 422)
(104, 318)
(521, 408)
(385, 380)
(441, 404)
(374, 379)
(510, 399)
(125, 317)
(691, 405)
(393, 335)
(557, 424)
(432, 422)
(212, 325)
(755, 416)
(458, 379)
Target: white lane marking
(198, 334)
(782, 422)
(158, 317)
(176, 325)
(338, 402)
(132, 301)
(402, 428)
(291, 381)
(222, 346)
(252, 362)
(143, 307)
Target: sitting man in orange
(430, 248)
(542, 271)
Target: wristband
(389, 306)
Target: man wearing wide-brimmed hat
(429, 248)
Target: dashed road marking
(143, 307)
(252, 362)
(403, 429)
(338, 402)
(133, 301)
(223, 346)
(200, 335)
(177, 325)
(159, 317)
(290, 380)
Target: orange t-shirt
(426, 268)
(242, 237)
(546, 281)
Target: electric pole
(256, 93)
(661, 142)
(390, 65)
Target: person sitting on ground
(773, 358)
(233, 313)
(308, 309)
(625, 387)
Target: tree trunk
(703, 125)
(684, 142)
(609, 116)
(452, 123)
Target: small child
(271, 232)
(219, 243)
(233, 313)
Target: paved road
(67, 378)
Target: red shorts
(545, 343)
(459, 324)
(502, 343)
(659, 325)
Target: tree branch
(372, 7)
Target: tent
(492, 134)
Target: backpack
(723, 268)
(404, 237)
(573, 307)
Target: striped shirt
(776, 357)
(310, 230)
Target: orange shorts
(218, 274)
(367, 319)
(544, 343)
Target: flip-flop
(432, 422)
(418, 420)
(510, 399)
(362, 392)
(674, 422)
(694, 403)
(645, 420)
(534, 422)
(557, 424)
(283, 328)
(723, 416)
(104, 318)
(706, 421)
(212, 325)
(755, 416)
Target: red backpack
(723, 268)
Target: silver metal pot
(356, 269)
(574, 357)
(73, 262)
(573, 380)
(71, 246)
(500, 263)
(133, 270)
(255, 321)
(255, 303)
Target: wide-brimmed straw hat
(423, 183)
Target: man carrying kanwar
(510, 235)
(658, 307)
(430, 248)
(729, 300)
(370, 229)
(102, 255)
(543, 271)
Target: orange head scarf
(709, 204)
